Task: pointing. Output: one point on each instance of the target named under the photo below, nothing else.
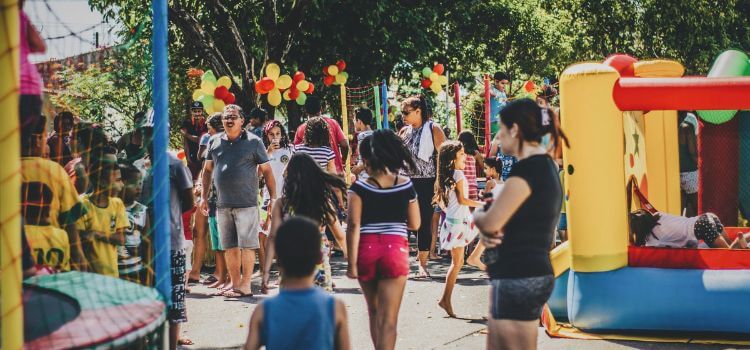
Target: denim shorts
(238, 227)
(520, 299)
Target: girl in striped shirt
(317, 144)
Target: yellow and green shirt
(49, 246)
(102, 255)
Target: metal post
(457, 102)
(378, 111)
(487, 123)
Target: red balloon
(266, 85)
(341, 65)
(298, 76)
(529, 86)
(293, 93)
(310, 89)
(328, 80)
(426, 82)
(229, 99)
(258, 89)
(221, 92)
(439, 69)
(325, 71)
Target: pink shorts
(382, 256)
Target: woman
(518, 228)
(422, 138)
(381, 209)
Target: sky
(65, 17)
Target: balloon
(229, 99)
(342, 77)
(284, 82)
(293, 94)
(208, 87)
(426, 71)
(325, 71)
(197, 94)
(328, 80)
(219, 105)
(258, 88)
(443, 80)
(267, 84)
(439, 69)
(529, 86)
(436, 87)
(310, 89)
(299, 76)
(341, 65)
(434, 76)
(285, 95)
(273, 71)
(221, 92)
(302, 85)
(209, 76)
(301, 98)
(274, 97)
(210, 109)
(426, 83)
(333, 70)
(207, 100)
(225, 82)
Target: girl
(423, 138)
(665, 230)
(308, 191)
(317, 144)
(492, 170)
(523, 218)
(381, 210)
(457, 229)
(473, 160)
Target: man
(191, 130)
(59, 141)
(257, 121)
(313, 109)
(362, 122)
(238, 157)
(131, 142)
(498, 99)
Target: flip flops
(234, 293)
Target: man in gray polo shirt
(233, 160)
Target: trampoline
(86, 310)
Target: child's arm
(342, 327)
(117, 238)
(462, 198)
(338, 233)
(352, 232)
(253, 336)
(357, 169)
(490, 184)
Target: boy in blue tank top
(319, 320)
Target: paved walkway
(219, 323)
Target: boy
(129, 255)
(319, 320)
(362, 121)
(498, 100)
(48, 244)
(103, 227)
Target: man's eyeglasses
(230, 117)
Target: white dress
(458, 228)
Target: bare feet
(434, 256)
(447, 307)
(476, 262)
(185, 341)
(217, 284)
(423, 273)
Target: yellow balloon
(273, 70)
(302, 85)
(443, 80)
(434, 76)
(436, 87)
(208, 87)
(274, 97)
(333, 69)
(198, 94)
(284, 82)
(219, 105)
(341, 79)
(225, 82)
(210, 109)
(285, 95)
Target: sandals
(236, 293)
(210, 280)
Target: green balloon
(301, 98)
(209, 76)
(426, 71)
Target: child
(301, 316)
(102, 229)
(49, 245)
(130, 261)
(665, 230)
(362, 121)
(474, 157)
(219, 279)
(457, 229)
(492, 170)
(279, 152)
(308, 191)
(318, 145)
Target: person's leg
(199, 248)
(247, 221)
(220, 272)
(511, 334)
(229, 241)
(262, 252)
(475, 258)
(390, 292)
(457, 261)
(370, 290)
(177, 313)
(248, 266)
(434, 229)
(424, 188)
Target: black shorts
(708, 228)
(177, 311)
(520, 299)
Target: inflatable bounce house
(622, 117)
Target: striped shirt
(322, 155)
(470, 171)
(384, 210)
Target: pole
(457, 101)
(487, 123)
(448, 103)
(10, 179)
(160, 169)
(378, 111)
(384, 104)
(345, 125)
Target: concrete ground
(219, 323)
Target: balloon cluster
(283, 86)
(334, 74)
(214, 93)
(434, 79)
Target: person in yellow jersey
(50, 204)
(103, 227)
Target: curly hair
(317, 133)
(309, 190)
(446, 166)
(384, 150)
(284, 142)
